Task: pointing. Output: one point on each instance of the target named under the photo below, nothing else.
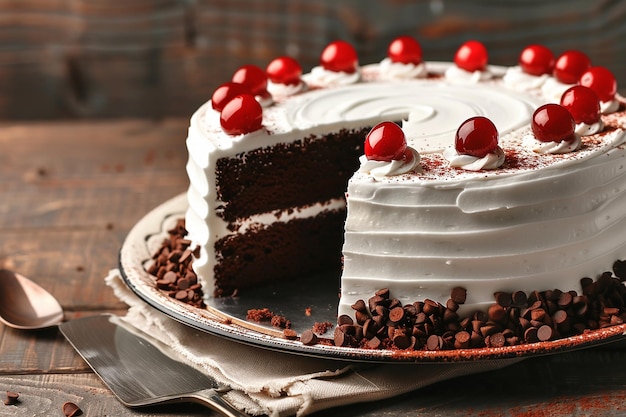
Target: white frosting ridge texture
(537, 222)
(540, 229)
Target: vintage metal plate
(226, 317)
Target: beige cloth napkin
(282, 384)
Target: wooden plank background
(158, 58)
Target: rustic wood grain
(76, 59)
(44, 395)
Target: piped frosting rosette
(475, 146)
(386, 152)
(553, 131)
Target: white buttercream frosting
(553, 147)
(285, 90)
(459, 75)
(584, 129)
(552, 90)
(378, 169)
(608, 107)
(517, 79)
(390, 70)
(321, 77)
(538, 221)
(492, 160)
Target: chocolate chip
(290, 334)
(544, 333)
(401, 340)
(183, 284)
(361, 317)
(431, 307)
(359, 306)
(497, 313)
(11, 398)
(309, 338)
(495, 340)
(458, 295)
(503, 299)
(70, 409)
(519, 298)
(181, 295)
(396, 314)
(341, 339)
(383, 293)
(462, 340)
(434, 342)
(344, 319)
(452, 305)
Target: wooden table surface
(71, 191)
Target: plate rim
(135, 253)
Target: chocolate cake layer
(309, 171)
(276, 252)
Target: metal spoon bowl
(26, 305)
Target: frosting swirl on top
(459, 75)
(390, 70)
(319, 76)
(608, 107)
(285, 90)
(584, 129)
(517, 79)
(556, 147)
(492, 160)
(379, 169)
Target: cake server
(140, 371)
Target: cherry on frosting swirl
(554, 131)
(477, 136)
(602, 81)
(386, 151)
(553, 123)
(405, 50)
(582, 103)
(536, 60)
(284, 70)
(253, 77)
(339, 56)
(472, 56)
(475, 146)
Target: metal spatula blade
(139, 371)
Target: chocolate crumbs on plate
(383, 322)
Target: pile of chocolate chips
(514, 318)
(172, 267)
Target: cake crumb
(259, 314)
(321, 328)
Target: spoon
(26, 305)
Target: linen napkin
(281, 384)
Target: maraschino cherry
(477, 136)
(570, 65)
(602, 81)
(553, 123)
(284, 70)
(405, 50)
(536, 60)
(471, 56)
(241, 115)
(386, 142)
(226, 92)
(339, 56)
(253, 77)
(582, 103)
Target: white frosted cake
(268, 181)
